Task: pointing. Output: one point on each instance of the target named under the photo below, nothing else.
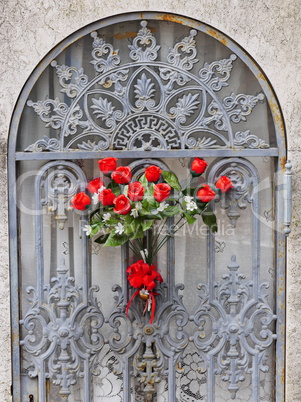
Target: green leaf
(209, 219)
(144, 181)
(116, 240)
(171, 179)
(190, 219)
(138, 234)
(172, 210)
(101, 239)
(148, 204)
(96, 228)
(134, 226)
(114, 187)
(151, 189)
(201, 205)
(188, 191)
(128, 219)
(147, 224)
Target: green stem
(135, 250)
(164, 240)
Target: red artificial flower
(122, 205)
(81, 201)
(205, 193)
(122, 175)
(106, 197)
(94, 185)
(141, 274)
(161, 191)
(198, 166)
(152, 173)
(135, 191)
(224, 184)
(107, 165)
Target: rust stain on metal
(260, 76)
(171, 18)
(15, 338)
(282, 163)
(218, 36)
(125, 35)
(47, 388)
(277, 118)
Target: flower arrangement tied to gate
(125, 211)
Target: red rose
(205, 193)
(81, 201)
(135, 191)
(161, 191)
(140, 274)
(107, 165)
(106, 197)
(224, 184)
(94, 185)
(152, 173)
(122, 205)
(122, 175)
(198, 166)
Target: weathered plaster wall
(269, 29)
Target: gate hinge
(12, 390)
(287, 198)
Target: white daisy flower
(138, 205)
(134, 213)
(87, 229)
(191, 206)
(106, 216)
(119, 228)
(95, 199)
(188, 198)
(162, 206)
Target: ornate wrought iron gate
(148, 102)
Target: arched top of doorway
(147, 82)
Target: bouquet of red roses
(125, 210)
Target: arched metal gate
(149, 88)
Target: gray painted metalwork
(178, 116)
(172, 107)
(69, 339)
(288, 198)
(233, 343)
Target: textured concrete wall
(269, 30)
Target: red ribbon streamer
(153, 310)
(130, 302)
(152, 295)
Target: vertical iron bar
(170, 261)
(287, 198)
(171, 289)
(280, 286)
(255, 241)
(211, 380)
(87, 381)
(126, 370)
(171, 380)
(39, 238)
(42, 382)
(14, 277)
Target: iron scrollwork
(173, 107)
(233, 314)
(63, 333)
